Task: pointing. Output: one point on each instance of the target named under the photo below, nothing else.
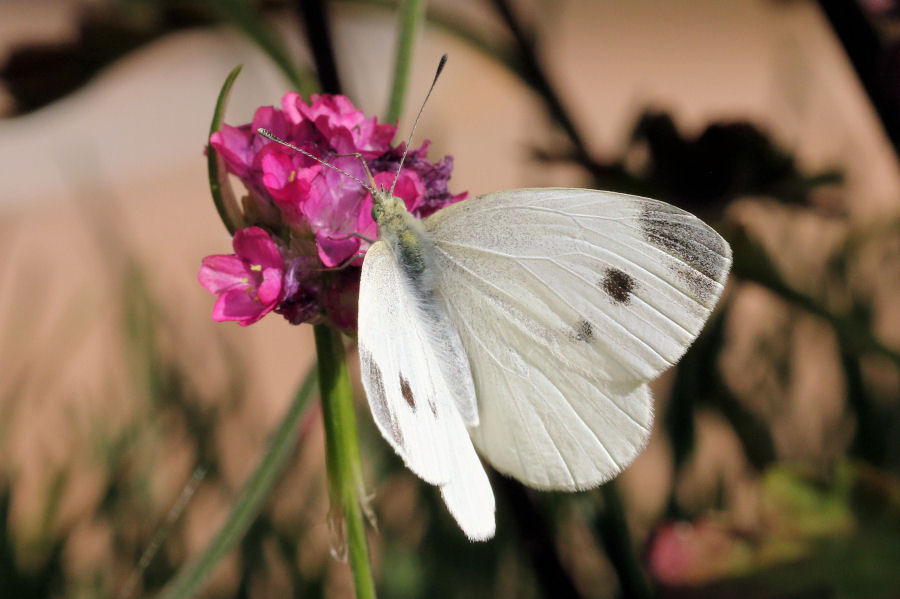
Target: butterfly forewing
(400, 375)
(468, 495)
(567, 302)
(401, 345)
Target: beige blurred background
(127, 152)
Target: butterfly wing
(405, 344)
(568, 301)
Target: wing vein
(506, 373)
(487, 350)
(600, 249)
(607, 317)
(640, 299)
(501, 292)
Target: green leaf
(219, 186)
(242, 15)
(412, 14)
(251, 500)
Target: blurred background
(773, 466)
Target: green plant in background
(845, 516)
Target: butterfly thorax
(411, 245)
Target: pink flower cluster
(301, 219)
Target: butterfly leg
(345, 263)
(362, 160)
(352, 235)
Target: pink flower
(321, 217)
(249, 282)
(690, 553)
(337, 120)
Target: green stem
(219, 187)
(412, 13)
(342, 455)
(249, 503)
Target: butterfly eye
(377, 211)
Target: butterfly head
(386, 207)
(391, 215)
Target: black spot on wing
(703, 251)
(406, 390)
(378, 396)
(584, 331)
(618, 285)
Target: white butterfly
(527, 324)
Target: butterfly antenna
(268, 134)
(437, 74)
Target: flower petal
(234, 145)
(221, 273)
(408, 188)
(240, 306)
(290, 104)
(334, 199)
(334, 252)
(288, 186)
(271, 119)
(269, 290)
(365, 224)
(256, 247)
(341, 299)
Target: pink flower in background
(691, 553)
(249, 282)
(320, 215)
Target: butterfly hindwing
(568, 301)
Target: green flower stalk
(342, 458)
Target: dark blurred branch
(43, 577)
(875, 63)
(458, 27)
(533, 73)
(253, 562)
(751, 263)
(317, 24)
(40, 73)
(612, 528)
(870, 440)
(537, 541)
(752, 433)
(698, 380)
(36, 74)
(612, 175)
